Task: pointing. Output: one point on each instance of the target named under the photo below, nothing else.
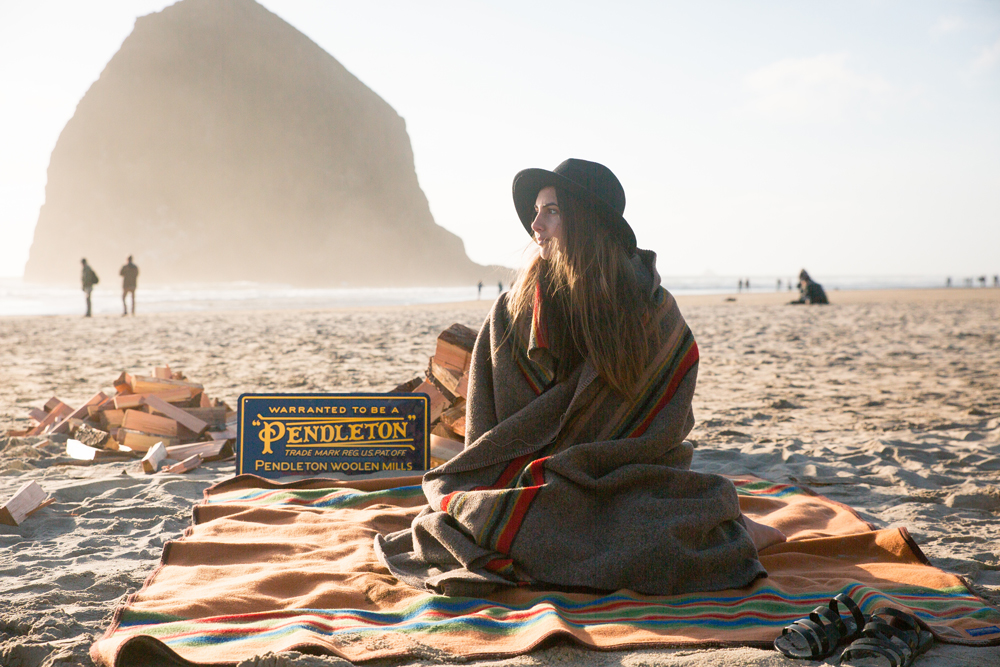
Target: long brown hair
(595, 304)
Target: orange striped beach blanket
(271, 567)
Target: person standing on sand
(89, 279)
(575, 468)
(129, 274)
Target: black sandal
(892, 637)
(817, 636)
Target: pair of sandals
(887, 637)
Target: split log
(214, 417)
(52, 404)
(438, 402)
(443, 449)
(79, 413)
(454, 347)
(140, 442)
(29, 498)
(463, 385)
(211, 450)
(153, 458)
(148, 385)
(91, 436)
(190, 463)
(454, 418)
(170, 395)
(77, 450)
(121, 385)
(137, 420)
(228, 434)
(163, 373)
(179, 416)
(110, 418)
(56, 413)
(408, 386)
(37, 414)
(447, 377)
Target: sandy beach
(887, 401)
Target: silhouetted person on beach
(996, 281)
(947, 283)
(499, 287)
(89, 279)
(129, 274)
(982, 281)
(810, 291)
(746, 283)
(778, 289)
(479, 294)
(739, 286)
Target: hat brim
(529, 182)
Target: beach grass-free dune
(888, 402)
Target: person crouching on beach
(575, 471)
(810, 291)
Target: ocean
(20, 298)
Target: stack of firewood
(446, 383)
(164, 418)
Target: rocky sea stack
(221, 144)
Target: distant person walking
(89, 279)
(479, 294)
(778, 289)
(996, 281)
(129, 274)
(739, 286)
(499, 287)
(810, 291)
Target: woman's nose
(538, 225)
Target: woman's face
(548, 227)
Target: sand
(886, 401)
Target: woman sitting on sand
(575, 471)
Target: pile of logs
(167, 420)
(446, 383)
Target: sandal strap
(804, 631)
(852, 607)
(865, 646)
(909, 620)
(831, 623)
(818, 632)
(904, 639)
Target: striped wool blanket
(280, 567)
(565, 483)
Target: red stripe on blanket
(447, 500)
(512, 470)
(535, 387)
(537, 471)
(689, 360)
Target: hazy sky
(752, 138)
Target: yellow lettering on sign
(271, 432)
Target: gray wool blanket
(565, 483)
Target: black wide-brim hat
(588, 180)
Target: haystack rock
(221, 144)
